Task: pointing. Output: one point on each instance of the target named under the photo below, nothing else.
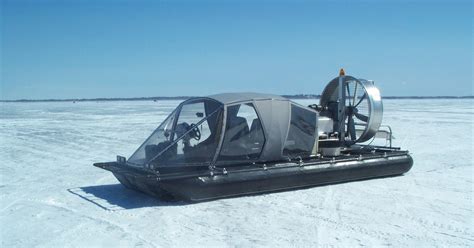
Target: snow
(52, 196)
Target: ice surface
(52, 196)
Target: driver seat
(237, 128)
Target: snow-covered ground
(52, 196)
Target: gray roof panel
(229, 98)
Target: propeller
(362, 104)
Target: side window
(302, 133)
(243, 138)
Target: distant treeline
(161, 98)
(164, 98)
(428, 97)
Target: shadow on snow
(115, 197)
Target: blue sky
(87, 49)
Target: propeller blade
(346, 123)
(361, 117)
(351, 128)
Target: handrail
(390, 134)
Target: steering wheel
(195, 133)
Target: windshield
(189, 135)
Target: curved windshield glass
(192, 137)
(161, 135)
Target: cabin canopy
(231, 128)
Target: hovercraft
(237, 144)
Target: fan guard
(362, 110)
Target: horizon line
(154, 98)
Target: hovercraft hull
(201, 184)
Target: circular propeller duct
(363, 108)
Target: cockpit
(230, 128)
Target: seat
(237, 128)
(235, 143)
(256, 138)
